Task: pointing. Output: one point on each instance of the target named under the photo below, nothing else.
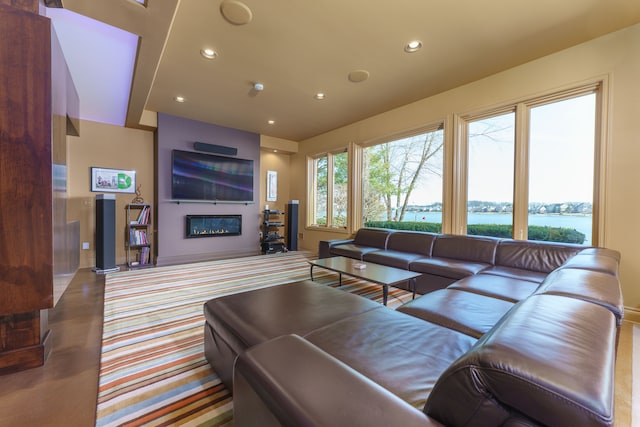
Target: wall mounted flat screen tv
(207, 177)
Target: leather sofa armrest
(324, 247)
(290, 382)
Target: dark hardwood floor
(64, 391)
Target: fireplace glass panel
(213, 225)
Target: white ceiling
(299, 48)
(101, 60)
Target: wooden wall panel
(26, 5)
(26, 248)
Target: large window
(329, 197)
(402, 181)
(530, 172)
(561, 166)
(491, 145)
(526, 170)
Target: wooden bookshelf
(138, 239)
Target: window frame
(522, 111)
(356, 185)
(455, 158)
(311, 196)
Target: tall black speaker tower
(292, 225)
(105, 233)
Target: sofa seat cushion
(516, 273)
(351, 250)
(506, 288)
(551, 358)
(447, 267)
(287, 381)
(402, 353)
(593, 286)
(300, 307)
(366, 240)
(391, 258)
(239, 321)
(470, 313)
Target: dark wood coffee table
(376, 273)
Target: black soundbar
(212, 148)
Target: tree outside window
(330, 190)
(402, 182)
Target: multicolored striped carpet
(153, 371)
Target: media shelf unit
(138, 235)
(272, 227)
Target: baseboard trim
(186, 259)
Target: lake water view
(581, 223)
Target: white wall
(616, 55)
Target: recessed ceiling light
(208, 53)
(179, 99)
(320, 96)
(275, 151)
(271, 122)
(413, 46)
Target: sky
(561, 156)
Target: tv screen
(197, 176)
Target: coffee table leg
(413, 282)
(339, 279)
(311, 272)
(385, 294)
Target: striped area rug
(153, 371)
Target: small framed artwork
(113, 180)
(272, 186)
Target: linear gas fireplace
(213, 225)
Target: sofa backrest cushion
(372, 237)
(550, 359)
(465, 248)
(593, 286)
(534, 256)
(412, 241)
(596, 259)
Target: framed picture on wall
(272, 186)
(113, 180)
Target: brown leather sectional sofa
(510, 333)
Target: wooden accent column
(26, 235)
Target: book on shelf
(143, 216)
(144, 255)
(138, 237)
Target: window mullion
(599, 175)
(354, 220)
(521, 172)
(459, 181)
(330, 179)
